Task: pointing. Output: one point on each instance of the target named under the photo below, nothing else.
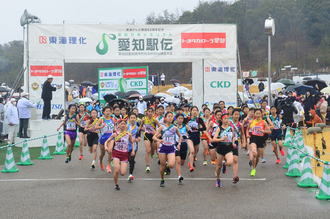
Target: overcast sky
(82, 11)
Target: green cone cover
(25, 156)
(288, 157)
(76, 144)
(324, 191)
(301, 145)
(288, 137)
(45, 154)
(306, 179)
(59, 149)
(10, 166)
(294, 168)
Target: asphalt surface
(53, 189)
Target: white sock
(94, 161)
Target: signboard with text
(123, 79)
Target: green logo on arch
(104, 42)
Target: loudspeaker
(27, 16)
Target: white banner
(246, 74)
(38, 72)
(220, 82)
(110, 43)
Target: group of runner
(173, 134)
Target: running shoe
(151, 156)
(213, 162)
(282, 152)
(188, 164)
(111, 163)
(162, 183)
(224, 167)
(108, 169)
(205, 163)
(278, 161)
(273, 149)
(81, 157)
(253, 172)
(191, 169)
(101, 166)
(67, 160)
(195, 158)
(207, 152)
(69, 157)
(250, 163)
(93, 166)
(157, 155)
(168, 170)
(235, 179)
(148, 169)
(158, 162)
(130, 178)
(194, 164)
(263, 160)
(180, 178)
(117, 187)
(218, 184)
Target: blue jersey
(134, 131)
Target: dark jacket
(309, 103)
(288, 110)
(47, 91)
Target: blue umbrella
(303, 88)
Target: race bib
(71, 126)
(256, 130)
(168, 140)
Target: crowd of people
(174, 133)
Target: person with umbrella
(162, 78)
(309, 103)
(75, 93)
(261, 86)
(47, 96)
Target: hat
(12, 99)
(49, 76)
(162, 98)
(24, 94)
(140, 98)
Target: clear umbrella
(177, 90)
(86, 99)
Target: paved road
(53, 189)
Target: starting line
(124, 179)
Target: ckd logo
(136, 83)
(220, 84)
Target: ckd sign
(220, 84)
(136, 83)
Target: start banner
(37, 76)
(123, 79)
(115, 43)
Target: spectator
(288, 110)
(163, 103)
(84, 92)
(309, 103)
(47, 96)
(12, 120)
(141, 105)
(261, 86)
(1, 116)
(81, 91)
(89, 92)
(279, 100)
(66, 95)
(24, 113)
(75, 93)
(162, 78)
(313, 118)
(291, 97)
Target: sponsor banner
(246, 74)
(44, 71)
(220, 81)
(39, 70)
(113, 43)
(254, 73)
(135, 73)
(123, 79)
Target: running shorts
(122, 156)
(258, 140)
(224, 149)
(166, 149)
(195, 138)
(92, 138)
(72, 135)
(183, 151)
(104, 138)
(276, 135)
(148, 137)
(82, 130)
(235, 149)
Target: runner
(230, 112)
(118, 144)
(83, 116)
(222, 106)
(92, 135)
(271, 126)
(149, 122)
(238, 134)
(212, 127)
(107, 128)
(259, 128)
(181, 155)
(71, 122)
(224, 135)
(277, 133)
(133, 129)
(160, 117)
(167, 147)
(124, 114)
(186, 111)
(246, 122)
(205, 139)
(194, 124)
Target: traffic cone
(59, 145)
(288, 157)
(324, 191)
(294, 168)
(10, 166)
(45, 154)
(306, 179)
(301, 145)
(25, 156)
(77, 143)
(65, 145)
(288, 138)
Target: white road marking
(124, 179)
